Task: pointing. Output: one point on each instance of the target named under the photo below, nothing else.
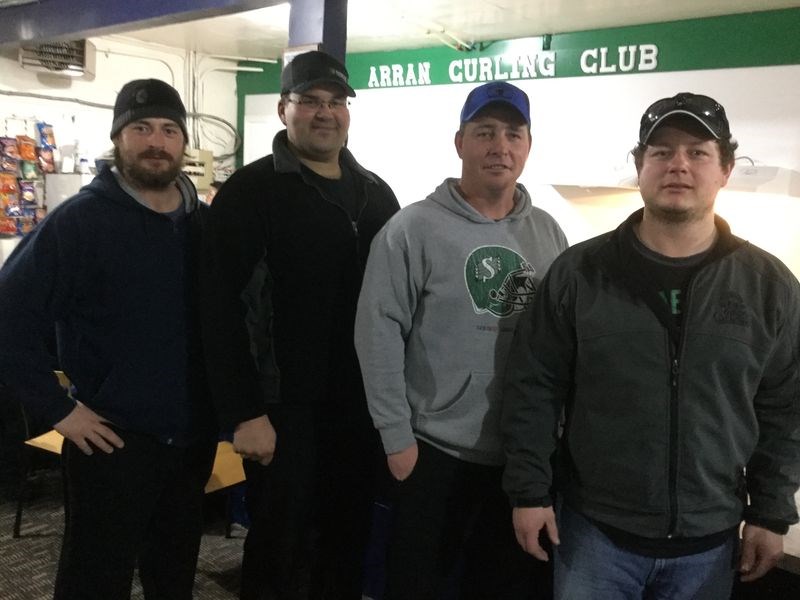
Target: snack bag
(46, 137)
(8, 226)
(46, 162)
(8, 183)
(28, 170)
(26, 147)
(27, 193)
(8, 147)
(10, 205)
(8, 164)
(25, 224)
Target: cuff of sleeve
(397, 437)
(532, 502)
(778, 527)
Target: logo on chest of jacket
(499, 281)
(731, 310)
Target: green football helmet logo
(499, 281)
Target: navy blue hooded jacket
(115, 279)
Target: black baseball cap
(143, 98)
(704, 109)
(309, 69)
(496, 91)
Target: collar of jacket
(618, 248)
(616, 258)
(286, 162)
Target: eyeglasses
(313, 104)
(706, 110)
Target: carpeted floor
(27, 564)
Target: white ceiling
(375, 25)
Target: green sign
(744, 40)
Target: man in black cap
(290, 234)
(113, 270)
(672, 347)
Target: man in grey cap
(671, 346)
(291, 233)
(114, 270)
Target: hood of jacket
(106, 185)
(448, 196)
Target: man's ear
(458, 140)
(282, 110)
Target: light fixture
(764, 179)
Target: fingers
(532, 547)
(105, 439)
(552, 532)
(83, 445)
(757, 566)
(747, 560)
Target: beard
(143, 178)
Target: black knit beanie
(143, 98)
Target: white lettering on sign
(502, 67)
(397, 75)
(527, 66)
(597, 60)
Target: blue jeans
(588, 566)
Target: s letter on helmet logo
(499, 281)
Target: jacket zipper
(676, 352)
(673, 445)
(353, 224)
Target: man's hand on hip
(85, 428)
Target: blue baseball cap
(496, 91)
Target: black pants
(143, 501)
(452, 536)
(311, 508)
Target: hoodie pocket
(471, 419)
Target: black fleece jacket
(287, 270)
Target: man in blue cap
(671, 347)
(446, 281)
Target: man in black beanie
(113, 269)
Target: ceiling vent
(72, 59)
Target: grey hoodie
(443, 289)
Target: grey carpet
(27, 564)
